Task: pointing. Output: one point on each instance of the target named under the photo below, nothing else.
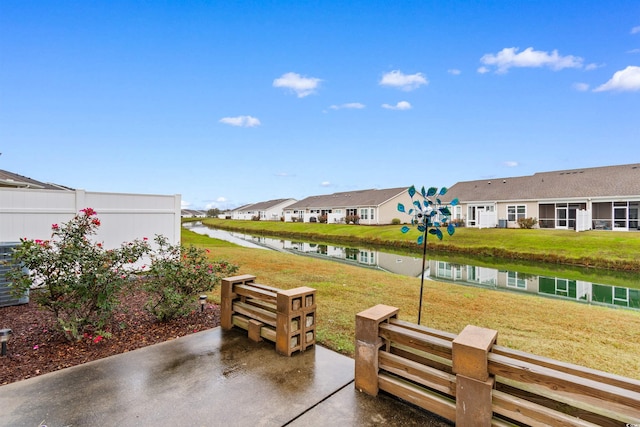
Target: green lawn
(603, 249)
(596, 337)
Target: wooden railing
(286, 317)
(472, 381)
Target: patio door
(561, 216)
(620, 215)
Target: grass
(602, 249)
(596, 337)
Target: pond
(546, 282)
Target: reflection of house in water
(490, 278)
(399, 264)
(582, 291)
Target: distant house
(265, 211)
(13, 180)
(368, 207)
(604, 198)
(192, 213)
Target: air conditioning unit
(6, 296)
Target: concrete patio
(210, 378)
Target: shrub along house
(601, 198)
(367, 207)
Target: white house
(369, 207)
(605, 198)
(271, 210)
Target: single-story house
(605, 198)
(367, 207)
(14, 180)
(192, 213)
(265, 211)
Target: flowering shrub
(80, 280)
(177, 275)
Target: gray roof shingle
(349, 199)
(606, 181)
(13, 180)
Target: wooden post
(367, 344)
(254, 330)
(227, 295)
(295, 320)
(473, 383)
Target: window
(513, 281)
(364, 213)
(515, 213)
(371, 211)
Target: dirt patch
(36, 347)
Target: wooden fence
(472, 381)
(286, 317)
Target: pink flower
(145, 239)
(54, 226)
(35, 347)
(97, 339)
(88, 211)
(95, 221)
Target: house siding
(608, 197)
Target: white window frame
(516, 212)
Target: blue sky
(233, 102)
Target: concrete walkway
(211, 378)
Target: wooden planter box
(286, 317)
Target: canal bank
(594, 249)
(589, 288)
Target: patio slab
(210, 378)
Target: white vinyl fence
(123, 217)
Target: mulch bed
(36, 347)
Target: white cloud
(635, 30)
(302, 86)
(350, 105)
(402, 105)
(593, 66)
(325, 184)
(241, 121)
(508, 57)
(454, 71)
(184, 204)
(284, 174)
(483, 70)
(511, 163)
(581, 87)
(402, 81)
(634, 51)
(219, 203)
(622, 81)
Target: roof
(349, 199)
(194, 212)
(606, 181)
(263, 206)
(13, 180)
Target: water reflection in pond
(458, 273)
